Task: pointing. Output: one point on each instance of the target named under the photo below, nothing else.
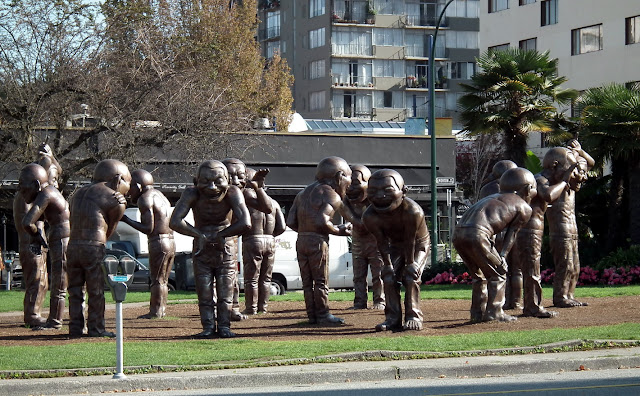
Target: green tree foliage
(167, 80)
(513, 94)
(611, 132)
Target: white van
(286, 272)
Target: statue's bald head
(393, 174)
(502, 166)
(363, 170)
(212, 164)
(330, 166)
(142, 177)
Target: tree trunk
(616, 227)
(634, 199)
(515, 146)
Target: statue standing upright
(364, 247)
(96, 209)
(398, 224)
(48, 203)
(255, 198)
(311, 215)
(155, 212)
(213, 201)
(473, 238)
(34, 258)
(258, 250)
(563, 233)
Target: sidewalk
(478, 366)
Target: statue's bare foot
(387, 326)
(413, 324)
(224, 332)
(330, 319)
(378, 306)
(503, 317)
(236, 316)
(542, 313)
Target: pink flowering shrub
(448, 278)
(588, 276)
(609, 276)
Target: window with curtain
(317, 69)
(317, 100)
(388, 68)
(351, 42)
(457, 39)
(528, 44)
(316, 38)
(586, 39)
(632, 30)
(549, 12)
(388, 37)
(498, 5)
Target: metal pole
(434, 170)
(431, 49)
(4, 251)
(119, 366)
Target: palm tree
(512, 95)
(611, 133)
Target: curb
(491, 363)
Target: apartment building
(367, 60)
(596, 42)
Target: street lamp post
(431, 48)
(4, 248)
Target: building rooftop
(356, 126)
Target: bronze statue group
(499, 239)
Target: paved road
(589, 383)
(461, 375)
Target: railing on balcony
(361, 114)
(351, 12)
(268, 4)
(351, 49)
(420, 51)
(271, 32)
(352, 81)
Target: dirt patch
(287, 321)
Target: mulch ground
(287, 321)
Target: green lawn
(247, 352)
(12, 300)
(241, 352)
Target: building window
(273, 24)
(316, 8)
(549, 12)
(387, 99)
(352, 72)
(317, 100)
(458, 39)
(352, 104)
(462, 70)
(525, 2)
(459, 8)
(528, 44)
(388, 37)
(351, 42)
(272, 48)
(632, 29)
(316, 38)
(317, 69)
(389, 7)
(388, 68)
(499, 47)
(586, 39)
(498, 5)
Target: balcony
(269, 33)
(420, 51)
(359, 114)
(425, 20)
(350, 81)
(268, 4)
(352, 12)
(351, 49)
